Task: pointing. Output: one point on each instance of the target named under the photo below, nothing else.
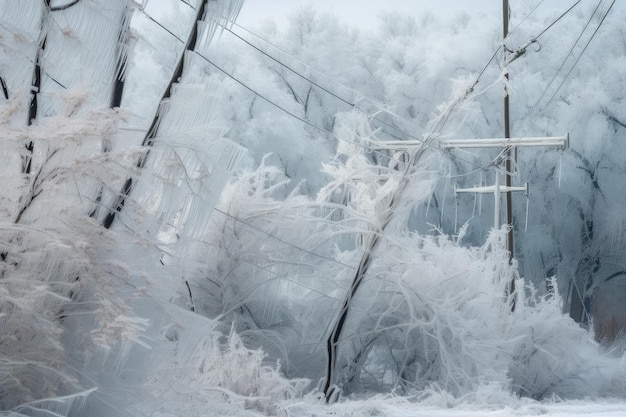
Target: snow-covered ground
(391, 408)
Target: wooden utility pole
(507, 131)
(510, 244)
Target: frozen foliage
(574, 222)
(214, 293)
(266, 305)
(430, 316)
(66, 308)
(209, 370)
(444, 324)
(52, 270)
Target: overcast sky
(363, 12)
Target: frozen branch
(5, 90)
(65, 6)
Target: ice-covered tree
(70, 143)
(400, 77)
(405, 67)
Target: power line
(571, 51)
(558, 19)
(552, 97)
(526, 17)
(256, 93)
(579, 56)
(294, 59)
(331, 134)
(295, 116)
(468, 91)
(495, 53)
(522, 50)
(326, 131)
(335, 82)
(349, 103)
(188, 4)
(161, 25)
(282, 240)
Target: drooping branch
(5, 90)
(616, 122)
(65, 6)
(614, 275)
(289, 87)
(36, 187)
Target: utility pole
(508, 144)
(507, 131)
(510, 245)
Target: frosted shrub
(554, 356)
(243, 372)
(271, 257)
(57, 310)
(435, 316)
(429, 306)
(430, 315)
(217, 371)
(58, 303)
(32, 359)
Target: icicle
(207, 30)
(527, 206)
(224, 12)
(497, 200)
(560, 167)
(124, 43)
(480, 197)
(474, 206)
(456, 211)
(443, 202)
